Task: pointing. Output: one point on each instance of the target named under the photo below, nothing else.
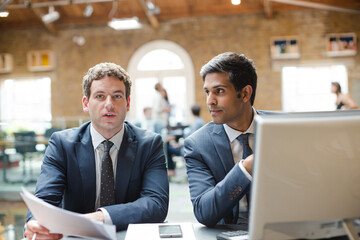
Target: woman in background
(161, 106)
(343, 101)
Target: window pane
(26, 102)
(309, 88)
(175, 87)
(144, 93)
(160, 59)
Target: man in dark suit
(134, 188)
(218, 164)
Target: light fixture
(235, 2)
(4, 13)
(152, 8)
(88, 10)
(50, 17)
(79, 40)
(124, 23)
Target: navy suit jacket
(216, 183)
(67, 176)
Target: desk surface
(201, 232)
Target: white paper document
(151, 231)
(59, 220)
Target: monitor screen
(306, 175)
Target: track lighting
(88, 10)
(50, 17)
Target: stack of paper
(58, 220)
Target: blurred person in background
(161, 106)
(343, 101)
(176, 148)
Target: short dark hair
(240, 69)
(195, 109)
(102, 70)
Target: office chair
(25, 144)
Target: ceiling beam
(317, 6)
(56, 3)
(49, 26)
(151, 17)
(4, 4)
(267, 8)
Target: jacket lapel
(86, 160)
(125, 163)
(219, 137)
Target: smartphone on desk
(170, 231)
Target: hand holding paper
(61, 221)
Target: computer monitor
(306, 176)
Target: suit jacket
(216, 183)
(67, 176)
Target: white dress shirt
(236, 147)
(97, 140)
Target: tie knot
(243, 138)
(107, 145)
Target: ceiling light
(52, 16)
(235, 2)
(88, 10)
(124, 23)
(4, 13)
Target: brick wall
(202, 38)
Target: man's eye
(118, 96)
(99, 96)
(207, 92)
(220, 90)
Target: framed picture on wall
(42, 60)
(287, 47)
(6, 63)
(341, 44)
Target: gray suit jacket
(216, 183)
(67, 176)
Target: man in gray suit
(219, 155)
(107, 169)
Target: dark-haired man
(219, 155)
(107, 169)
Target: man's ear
(128, 104)
(85, 103)
(246, 93)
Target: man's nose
(211, 99)
(109, 103)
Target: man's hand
(96, 216)
(248, 163)
(33, 227)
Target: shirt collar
(233, 134)
(97, 138)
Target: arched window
(167, 63)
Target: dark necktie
(244, 207)
(107, 195)
(244, 140)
